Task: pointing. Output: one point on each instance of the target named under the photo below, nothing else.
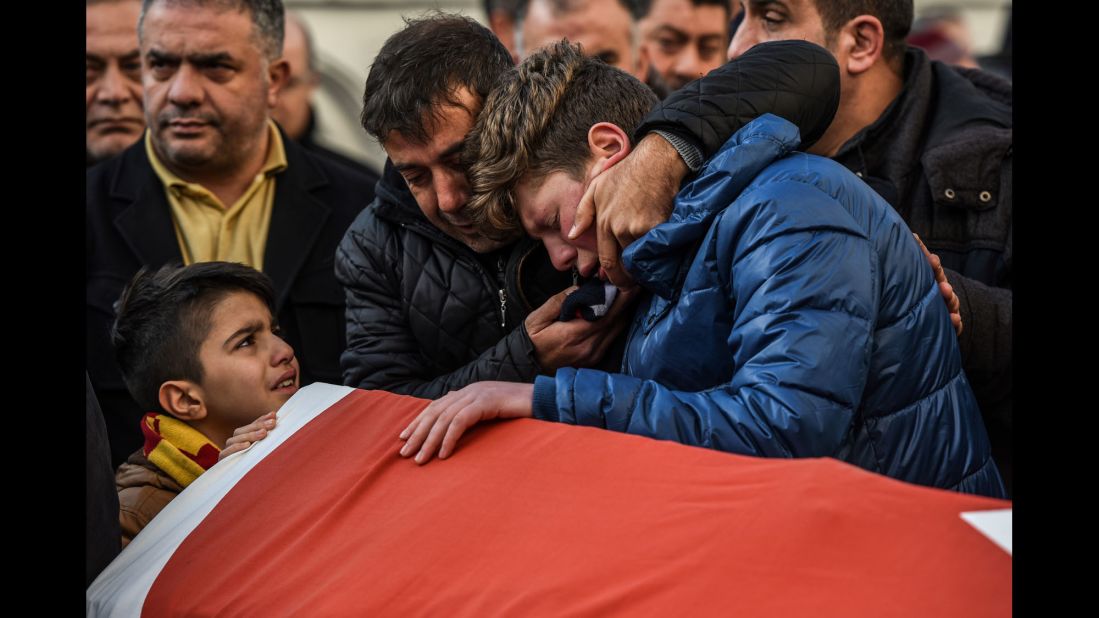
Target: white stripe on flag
(121, 588)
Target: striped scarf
(176, 448)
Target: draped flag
(529, 518)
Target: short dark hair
(267, 19)
(537, 120)
(895, 17)
(647, 5)
(423, 67)
(163, 316)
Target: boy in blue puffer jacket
(789, 311)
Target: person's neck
(863, 99)
(229, 184)
(213, 431)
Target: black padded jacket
(425, 314)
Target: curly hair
(536, 122)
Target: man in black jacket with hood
(934, 141)
(432, 305)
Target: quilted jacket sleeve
(382, 352)
(986, 341)
(706, 112)
(799, 341)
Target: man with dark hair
(433, 304)
(685, 39)
(788, 311)
(200, 350)
(112, 64)
(215, 179)
(933, 140)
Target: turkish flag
(528, 518)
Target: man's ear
(608, 144)
(861, 42)
(183, 399)
(278, 73)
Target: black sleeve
(102, 539)
(986, 344)
(795, 80)
(382, 351)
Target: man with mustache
(216, 179)
(114, 118)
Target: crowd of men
(732, 188)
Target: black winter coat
(425, 314)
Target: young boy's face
(248, 370)
(547, 207)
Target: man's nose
(186, 88)
(561, 255)
(452, 190)
(688, 64)
(113, 87)
(744, 39)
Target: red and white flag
(527, 518)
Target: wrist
(678, 155)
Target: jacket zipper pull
(501, 266)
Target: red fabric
(152, 434)
(539, 519)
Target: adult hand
(953, 305)
(441, 423)
(628, 200)
(576, 343)
(243, 437)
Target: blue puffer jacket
(791, 314)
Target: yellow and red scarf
(181, 451)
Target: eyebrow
(247, 329)
(762, 3)
(132, 55)
(197, 59)
(452, 150)
(668, 29)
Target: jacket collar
(655, 259)
(145, 222)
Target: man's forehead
(198, 26)
(683, 14)
(445, 127)
(114, 19)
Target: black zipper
(461, 252)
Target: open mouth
(286, 380)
